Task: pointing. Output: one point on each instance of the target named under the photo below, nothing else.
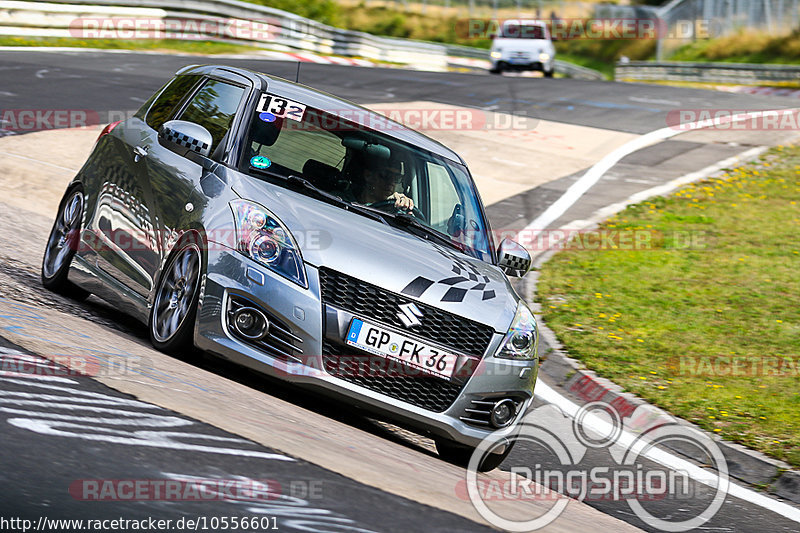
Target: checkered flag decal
(514, 263)
(194, 145)
(513, 257)
(466, 276)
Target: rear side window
(214, 107)
(170, 97)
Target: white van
(523, 44)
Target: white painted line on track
(658, 190)
(567, 200)
(593, 175)
(702, 475)
(39, 161)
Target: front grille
(428, 392)
(368, 301)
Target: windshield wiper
(409, 221)
(308, 188)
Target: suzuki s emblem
(409, 314)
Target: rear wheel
(175, 307)
(458, 454)
(62, 245)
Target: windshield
(367, 167)
(523, 31)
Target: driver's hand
(401, 201)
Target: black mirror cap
(183, 137)
(513, 258)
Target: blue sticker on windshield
(260, 161)
(266, 116)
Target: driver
(378, 184)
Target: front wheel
(175, 307)
(549, 73)
(458, 454)
(62, 245)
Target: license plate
(386, 343)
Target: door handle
(139, 152)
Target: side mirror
(513, 258)
(184, 137)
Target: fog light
(503, 413)
(250, 323)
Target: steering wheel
(383, 204)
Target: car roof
(326, 102)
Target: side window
(444, 196)
(170, 97)
(214, 107)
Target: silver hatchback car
(310, 239)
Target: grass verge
(703, 321)
(744, 47)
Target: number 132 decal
(280, 107)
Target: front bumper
(511, 65)
(302, 312)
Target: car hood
(389, 257)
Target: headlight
(544, 58)
(264, 239)
(522, 339)
(496, 54)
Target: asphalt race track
(47, 468)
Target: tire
(497, 69)
(174, 310)
(549, 73)
(62, 243)
(458, 454)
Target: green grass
(744, 47)
(171, 45)
(631, 315)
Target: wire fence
(484, 8)
(689, 20)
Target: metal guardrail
(289, 32)
(739, 73)
(564, 67)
